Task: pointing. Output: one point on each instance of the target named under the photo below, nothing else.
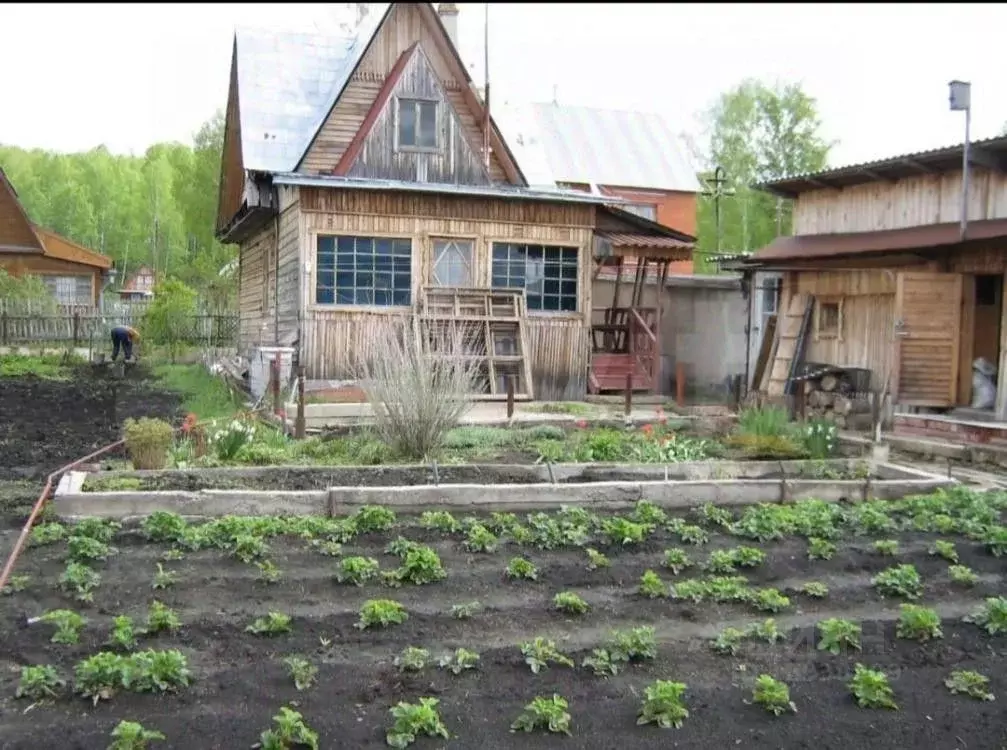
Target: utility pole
(715, 189)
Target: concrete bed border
(892, 482)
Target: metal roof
(489, 191)
(989, 152)
(600, 147)
(622, 239)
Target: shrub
(871, 689)
(773, 695)
(480, 539)
(835, 633)
(161, 618)
(972, 684)
(420, 565)
(569, 602)
(918, 623)
(131, 735)
(544, 713)
(148, 442)
(887, 547)
(413, 720)
(769, 600)
(728, 641)
(168, 318)
(663, 705)
(39, 683)
(381, 613)
(373, 518)
(290, 732)
(635, 644)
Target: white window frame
(417, 103)
(80, 294)
(452, 253)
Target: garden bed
(240, 680)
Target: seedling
(163, 578)
(465, 611)
(963, 575)
(711, 514)
(459, 661)
(327, 547)
(415, 720)
(520, 568)
(676, 560)
(603, 662)
(651, 586)
(381, 613)
(544, 713)
(622, 531)
(871, 689)
(357, 570)
(80, 580)
(835, 633)
(96, 528)
(815, 590)
(728, 641)
(268, 572)
(636, 644)
(48, 533)
(39, 683)
(596, 559)
(131, 735)
(400, 546)
(540, 653)
(902, 580)
(15, 585)
(690, 534)
(648, 514)
(373, 518)
(663, 705)
(886, 547)
(995, 539)
(765, 631)
(727, 589)
(945, 549)
(972, 684)
(918, 623)
(173, 555)
(161, 526)
(820, 549)
(748, 557)
(274, 623)
(123, 633)
(692, 589)
(570, 603)
(773, 695)
(68, 625)
(769, 600)
(440, 520)
(480, 539)
(290, 732)
(720, 562)
(412, 659)
(99, 676)
(991, 615)
(161, 618)
(302, 671)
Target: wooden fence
(81, 328)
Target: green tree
(169, 318)
(757, 133)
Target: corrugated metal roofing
(601, 147)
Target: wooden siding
(15, 228)
(928, 316)
(257, 325)
(404, 26)
(288, 267)
(456, 160)
(912, 201)
(232, 170)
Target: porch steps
(789, 328)
(608, 373)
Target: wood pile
(831, 396)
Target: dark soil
(241, 681)
(45, 424)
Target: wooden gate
(927, 323)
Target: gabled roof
(15, 223)
(602, 147)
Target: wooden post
(299, 425)
(680, 383)
(509, 379)
(628, 408)
(274, 377)
(76, 327)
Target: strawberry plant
(622, 531)
(39, 683)
(972, 684)
(820, 549)
(480, 539)
(991, 615)
(68, 625)
(123, 633)
(15, 585)
(773, 695)
(693, 534)
(163, 578)
(918, 623)
(459, 661)
(886, 547)
(80, 580)
(815, 590)
(544, 713)
(48, 533)
(268, 572)
(541, 652)
(520, 568)
(596, 559)
(835, 633)
(963, 574)
(676, 560)
(302, 671)
(274, 623)
(769, 600)
(651, 586)
(357, 570)
(161, 618)
(420, 565)
(290, 732)
(381, 613)
(412, 659)
(100, 675)
(570, 603)
(944, 549)
(162, 526)
(413, 720)
(663, 705)
(131, 735)
(728, 641)
(373, 518)
(465, 611)
(871, 689)
(902, 580)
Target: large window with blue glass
(547, 274)
(364, 271)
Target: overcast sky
(76, 76)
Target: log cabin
(881, 274)
(370, 191)
(74, 275)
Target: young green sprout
(835, 633)
(544, 713)
(519, 568)
(570, 603)
(412, 659)
(461, 660)
(773, 695)
(274, 623)
(596, 559)
(131, 735)
(871, 689)
(413, 720)
(465, 611)
(39, 683)
(663, 705)
(381, 613)
(268, 572)
(972, 684)
(541, 652)
(651, 586)
(164, 578)
(302, 671)
(290, 732)
(918, 623)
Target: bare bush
(419, 385)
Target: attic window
(417, 124)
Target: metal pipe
(749, 278)
(965, 173)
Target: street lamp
(960, 98)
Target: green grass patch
(203, 393)
(573, 408)
(46, 366)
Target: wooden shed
(882, 275)
(369, 189)
(73, 273)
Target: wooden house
(138, 285)
(369, 192)
(74, 274)
(880, 276)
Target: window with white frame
(363, 271)
(452, 264)
(70, 290)
(547, 274)
(417, 124)
(644, 210)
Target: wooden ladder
(790, 330)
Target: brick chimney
(449, 17)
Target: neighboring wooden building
(879, 264)
(74, 274)
(139, 285)
(357, 181)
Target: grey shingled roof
(287, 83)
(608, 147)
